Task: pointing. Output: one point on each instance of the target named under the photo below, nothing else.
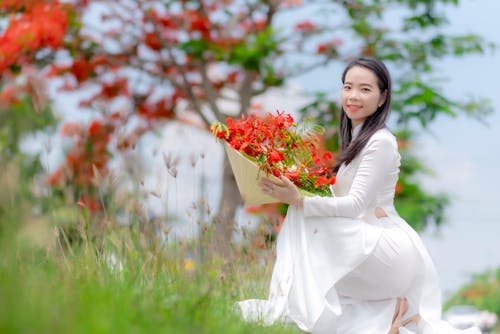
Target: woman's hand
(284, 191)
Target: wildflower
(189, 264)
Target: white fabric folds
(339, 269)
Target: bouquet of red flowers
(273, 144)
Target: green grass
(77, 290)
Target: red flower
(56, 177)
(327, 156)
(399, 188)
(323, 180)
(15, 5)
(322, 48)
(329, 47)
(273, 142)
(96, 129)
(305, 26)
(69, 129)
(41, 24)
(115, 88)
(8, 96)
(232, 77)
(276, 156)
(82, 69)
(90, 203)
(198, 22)
(153, 41)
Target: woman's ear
(383, 98)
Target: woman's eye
(346, 87)
(365, 89)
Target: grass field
(126, 282)
(120, 286)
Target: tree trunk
(225, 218)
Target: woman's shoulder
(383, 138)
(384, 134)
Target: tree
(482, 291)
(166, 58)
(21, 116)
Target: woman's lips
(351, 107)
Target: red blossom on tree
(40, 25)
(305, 26)
(88, 156)
(151, 56)
(329, 48)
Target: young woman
(349, 263)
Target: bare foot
(399, 311)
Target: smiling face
(361, 95)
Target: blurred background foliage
(21, 180)
(71, 261)
(190, 60)
(483, 291)
(56, 279)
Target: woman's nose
(353, 95)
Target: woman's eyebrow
(361, 84)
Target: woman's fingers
(275, 188)
(283, 190)
(287, 182)
(267, 186)
(270, 183)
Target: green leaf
(195, 47)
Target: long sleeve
(378, 169)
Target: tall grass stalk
(117, 285)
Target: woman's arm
(378, 160)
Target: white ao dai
(339, 269)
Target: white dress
(340, 269)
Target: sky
(465, 155)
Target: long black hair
(351, 148)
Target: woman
(349, 263)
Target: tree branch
(185, 85)
(211, 94)
(246, 92)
